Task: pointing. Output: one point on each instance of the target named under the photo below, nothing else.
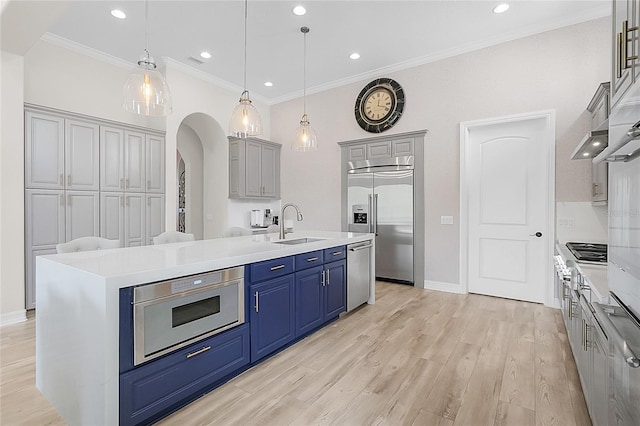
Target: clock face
(379, 105)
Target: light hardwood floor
(415, 357)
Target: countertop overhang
(125, 267)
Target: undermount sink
(298, 241)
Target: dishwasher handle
(358, 248)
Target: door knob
(537, 234)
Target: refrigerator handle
(370, 214)
(375, 215)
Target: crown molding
(86, 50)
(531, 30)
(194, 72)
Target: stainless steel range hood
(591, 145)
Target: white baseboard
(13, 317)
(441, 286)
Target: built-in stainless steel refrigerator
(381, 202)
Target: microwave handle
(629, 356)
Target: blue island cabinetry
(285, 299)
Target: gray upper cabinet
(625, 67)
(134, 161)
(111, 159)
(599, 175)
(154, 164)
(82, 155)
(44, 151)
(377, 150)
(254, 168)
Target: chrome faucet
(282, 237)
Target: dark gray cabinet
(254, 168)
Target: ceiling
(389, 35)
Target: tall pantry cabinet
(88, 177)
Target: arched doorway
(202, 146)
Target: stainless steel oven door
(167, 323)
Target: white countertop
(129, 266)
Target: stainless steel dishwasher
(358, 274)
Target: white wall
(11, 189)
(557, 70)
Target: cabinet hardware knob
(198, 352)
(126, 183)
(61, 200)
(257, 303)
(312, 259)
(69, 180)
(122, 183)
(337, 253)
(61, 178)
(148, 185)
(275, 268)
(128, 201)
(323, 278)
(619, 55)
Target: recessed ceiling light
(268, 83)
(501, 8)
(205, 55)
(586, 154)
(299, 10)
(354, 55)
(117, 13)
(596, 143)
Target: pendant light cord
(245, 46)
(146, 28)
(304, 75)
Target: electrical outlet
(446, 220)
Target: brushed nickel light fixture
(245, 119)
(146, 92)
(305, 136)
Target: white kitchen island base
(77, 317)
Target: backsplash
(581, 222)
(239, 211)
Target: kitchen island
(77, 318)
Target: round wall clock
(379, 105)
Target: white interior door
(507, 191)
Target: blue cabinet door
(309, 299)
(272, 315)
(335, 288)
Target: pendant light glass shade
(146, 91)
(305, 138)
(245, 119)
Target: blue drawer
(308, 260)
(335, 253)
(154, 388)
(271, 269)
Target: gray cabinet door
(155, 216)
(379, 150)
(270, 168)
(82, 218)
(134, 220)
(402, 147)
(253, 169)
(82, 155)
(154, 164)
(44, 151)
(599, 404)
(44, 226)
(357, 152)
(111, 159)
(234, 170)
(112, 216)
(134, 161)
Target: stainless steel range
(589, 252)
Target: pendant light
(245, 120)
(146, 91)
(305, 136)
